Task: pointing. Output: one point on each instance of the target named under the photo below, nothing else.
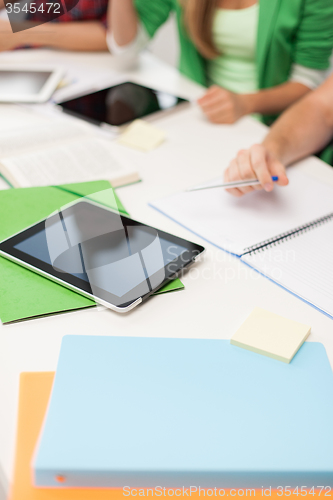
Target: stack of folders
(286, 235)
(129, 413)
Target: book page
(13, 117)
(81, 160)
(234, 224)
(21, 139)
(303, 264)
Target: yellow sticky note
(142, 135)
(272, 335)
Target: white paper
(302, 264)
(81, 160)
(13, 117)
(21, 139)
(234, 224)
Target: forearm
(275, 100)
(79, 36)
(2, 3)
(302, 130)
(123, 18)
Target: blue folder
(147, 412)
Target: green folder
(23, 293)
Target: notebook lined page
(234, 224)
(302, 264)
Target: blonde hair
(198, 18)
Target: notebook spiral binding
(277, 240)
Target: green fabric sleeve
(153, 13)
(314, 38)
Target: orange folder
(35, 389)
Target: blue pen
(229, 185)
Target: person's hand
(222, 106)
(255, 163)
(8, 39)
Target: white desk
(220, 291)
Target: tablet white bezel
(90, 296)
(56, 74)
(99, 300)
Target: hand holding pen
(230, 185)
(255, 163)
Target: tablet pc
(28, 84)
(121, 104)
(101, 254)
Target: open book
(286, 235)
(60, 152)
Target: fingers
(277, 169)
(211, 94)
(255, 163)
(220, 106)
(266, 166)
(245, 170)
(214, 96)
(231, 170)
(260, 165)
(211, 104)
(219, 113)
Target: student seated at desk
(256, 57)
(82, 28)
(304, 129)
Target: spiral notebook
(286, 235)
(300, 261)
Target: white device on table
(117, 106)
(101, 254)
(28, 84)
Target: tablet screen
(18, 83)
(111, 250)
(103, 253)
(121, 104)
